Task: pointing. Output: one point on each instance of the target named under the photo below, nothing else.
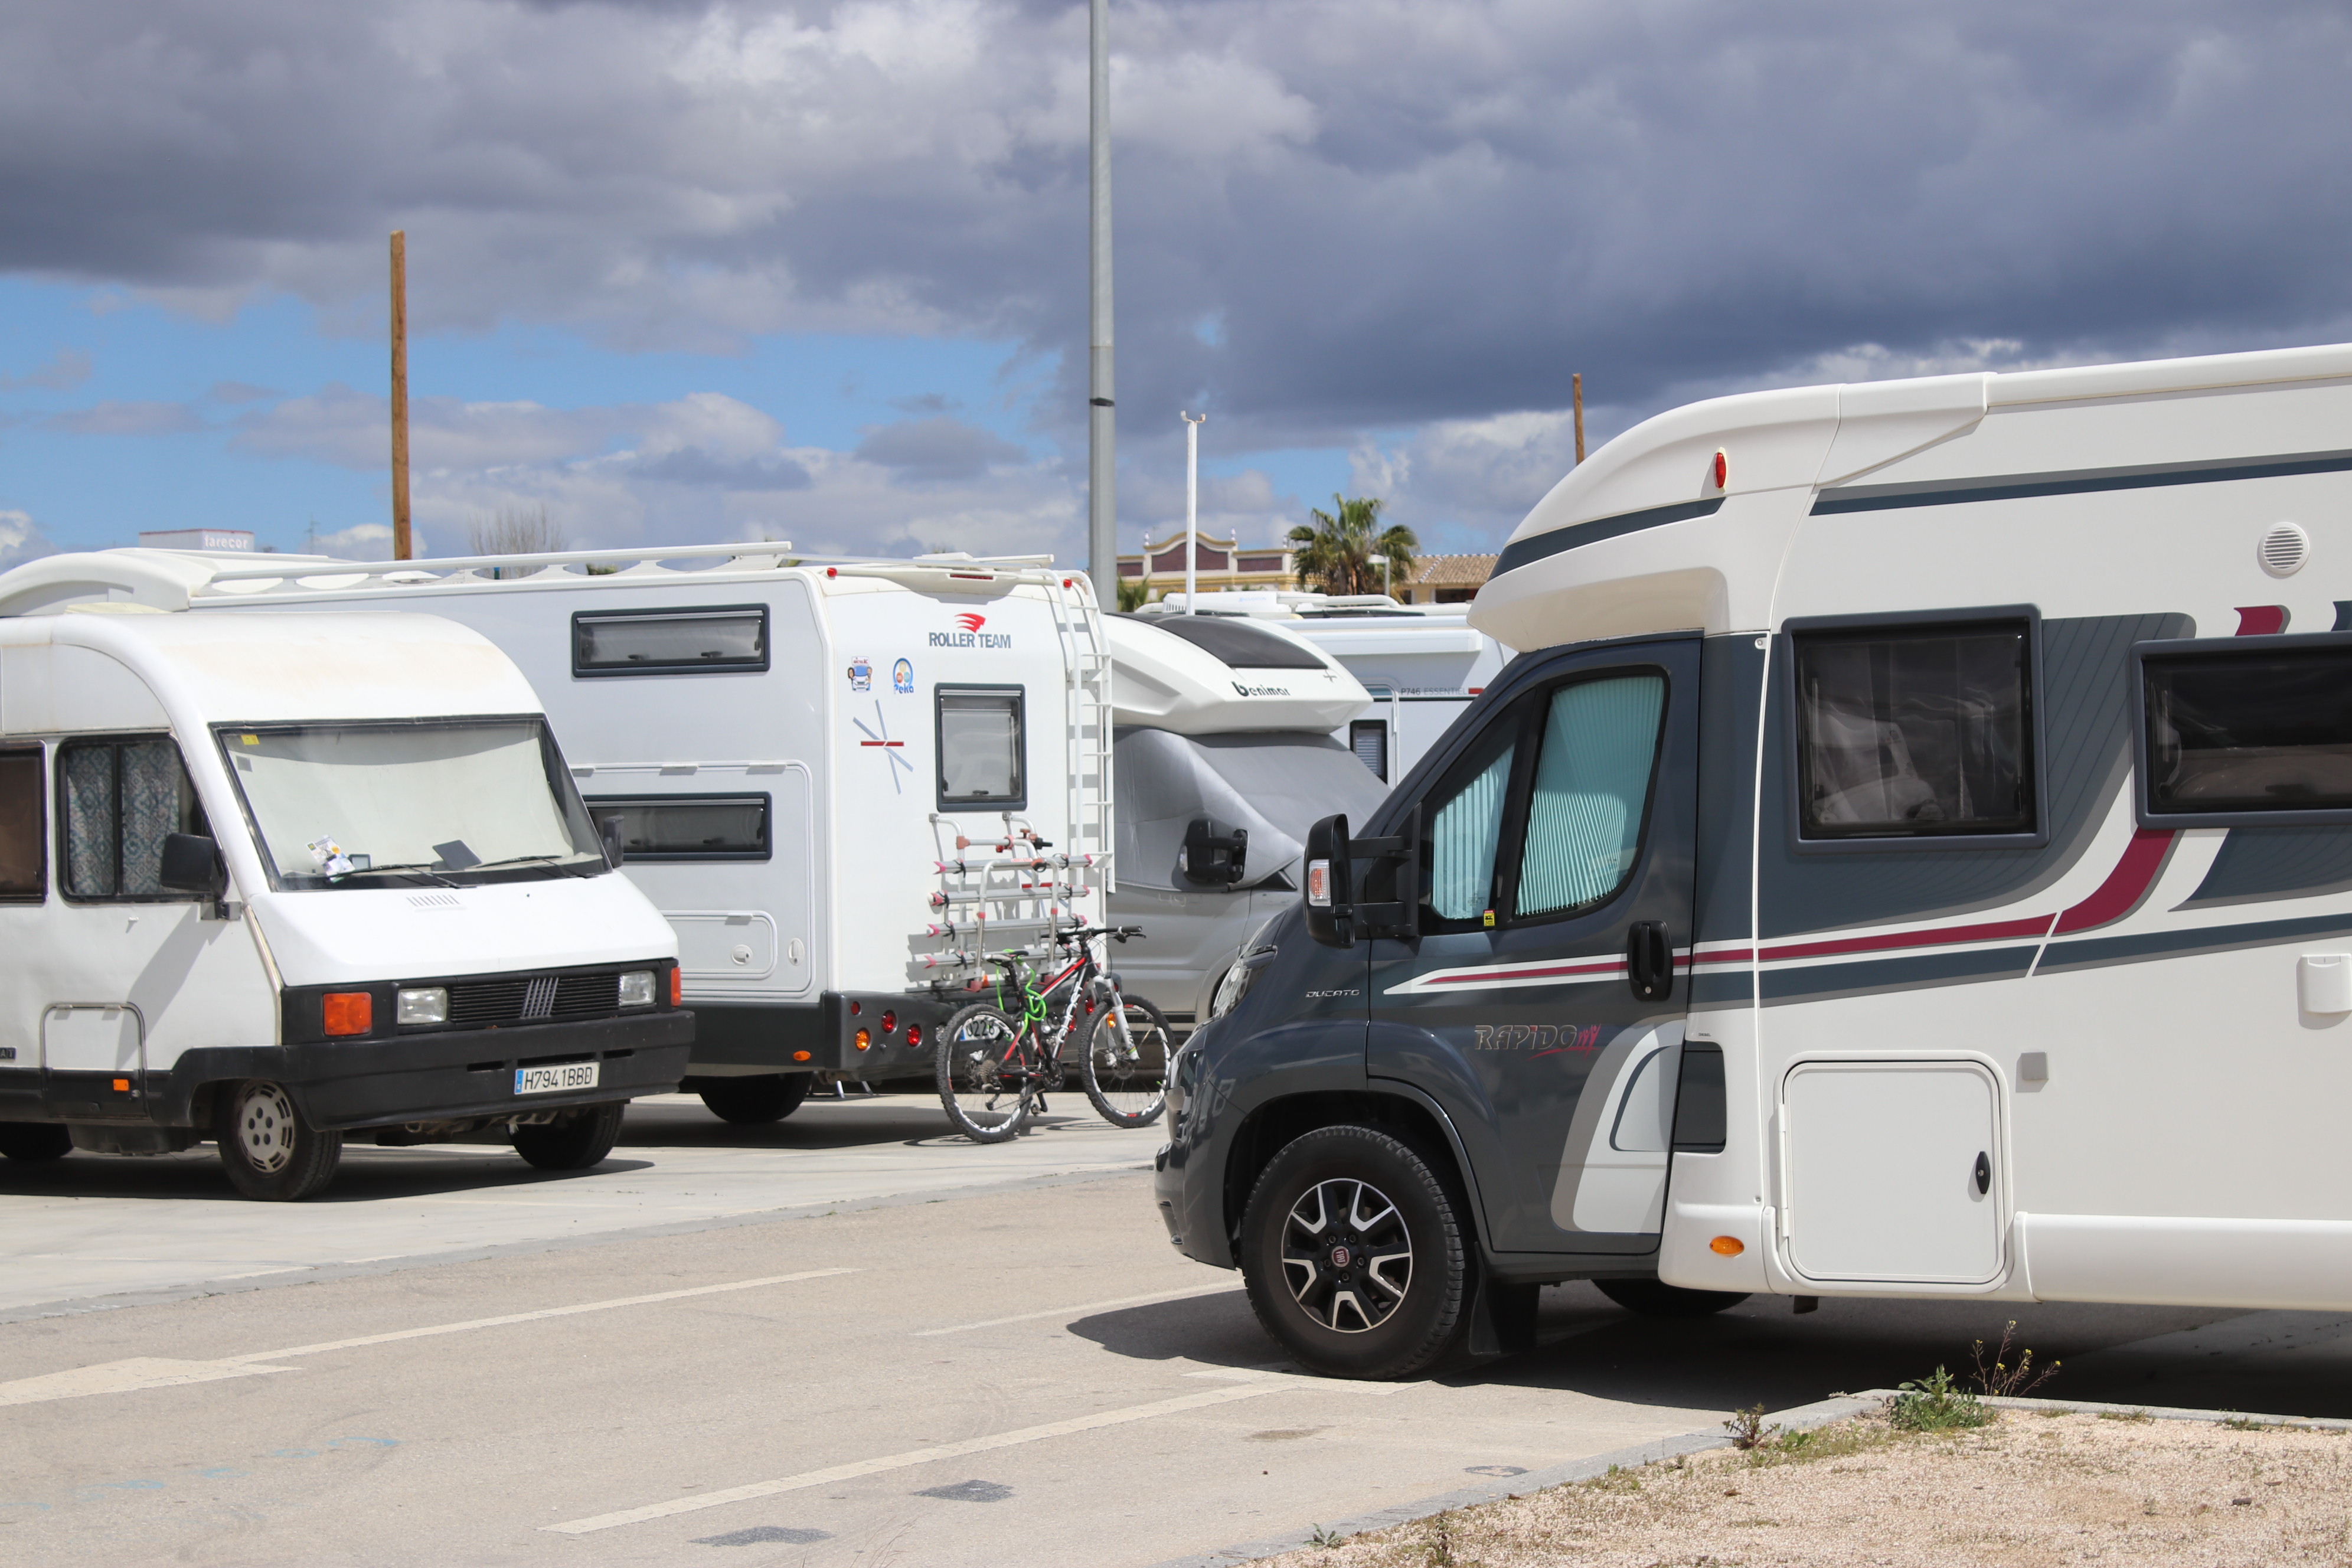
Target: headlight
(426, 1005)
(1230, 990)
(1180, 1069)
(637, 988)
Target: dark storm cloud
(1395, 213)
(694, 466)
(937, 448)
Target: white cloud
(21, 538)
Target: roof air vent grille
(2283, 550)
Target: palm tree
(1334, 552)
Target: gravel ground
(2031, 1489)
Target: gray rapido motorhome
(1913, 859)
(286, 881)
(839, 779)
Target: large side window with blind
(670, 642)
(1911, 733)
(117, 801)
(2245, 731)
(688, 826)
(24, 830)
(982, 749)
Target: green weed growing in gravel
(1748, 1430)
(2134, 1416)
(2005, 1378)
(1937, 1404)
(1326, 1539)
(1832, 1442)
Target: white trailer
(839, 779)
(282, 880)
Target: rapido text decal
(971, 636)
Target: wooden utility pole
(1576, 395)
(400, 545)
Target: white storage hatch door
(1893, 1172)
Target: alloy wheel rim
(1346, 1255)
(265, 1128)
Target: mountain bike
(998, 1060)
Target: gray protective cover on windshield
(1276, 785)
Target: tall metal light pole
(1192, 505)
(400, 537)
(1102, 455)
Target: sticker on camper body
(902, 678)
(861, 675)
(877, 738)
(970, 634)
(1536, 1039)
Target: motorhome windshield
(453, 801)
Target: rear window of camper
(1914, 733)
(665, 642)
(2257, 732)
(119, 800)
(24, 836)
(689, 828)
(980, 737)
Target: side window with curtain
(1463, 818)
(24, 832)
(1590, 792)
(118, 800)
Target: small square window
(980, 740)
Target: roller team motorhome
(839, 780)
(1915, 859)
(281, 880)
(1224, 757)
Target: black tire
(1653, 1300)
(987, 1071)
(34, 1141)
(576, 1143)
(754, 1101)
(1128, 1078)
(268, 1150)
(1324, 1280)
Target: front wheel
(1126, 1063)
(1355, 1255)
(575, 1143)
(34, 1140)
(987, 1071)
(753, 1101)
(267, 1150)
(1653, 1298)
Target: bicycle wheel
(1126, 1069)
(986, 1070)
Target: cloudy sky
(816, 271)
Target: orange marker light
(347, 1012)
(864, 1039)
(800, 1056)
(677, 988)
(122, 1086)
(1728, 1245)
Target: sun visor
(1274, 785)
(1222, 675)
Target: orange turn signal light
(800, 1056)
(122, 1086)
(347, 1012)
(864, 1039)
(1728, 1245)
(676, 986)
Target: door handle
(1984, 1175)
(1649, 961)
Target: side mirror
(609, 829)
(1210, 858)
(192, 864)
(1330, 901)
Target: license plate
(554, 1080)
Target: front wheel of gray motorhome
(574, 1143)
(267, 1150)
(1356, 1255)
(1653, 1300)
(752, 1101)
(34, 1141)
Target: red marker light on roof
(833, 571)
(1722, 468)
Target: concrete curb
(76, 1306)
(1804, 1415)
(2153, 1412)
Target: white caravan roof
(1206, 675)
(1855, 499)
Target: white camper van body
(2101, 1056)
(770, 737)
(1228, 726)
(131, 1007)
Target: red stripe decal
(2126, 885)
(2261, 620)
(1489, 976)
(1942, 936)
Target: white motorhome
(1225, 755)
(284, 880)
(1914, 858)
(839, 779)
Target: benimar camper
(1224, 758)
(840, 780)
(281, 880)
(1914, 858)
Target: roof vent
(2283, 550)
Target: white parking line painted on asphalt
(915, 1457)
(1218, 1289)
(153, 1372)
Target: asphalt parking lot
(836, 1340)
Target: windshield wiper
(413, 868)
(568, 866)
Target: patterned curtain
(88, 777)
(1592, 777)
(122, 798)
(154, 803)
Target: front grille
(530, 998)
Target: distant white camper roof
(235, 540)
(1204, 675)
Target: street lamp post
(1191, 506)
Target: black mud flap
(1502, 1317)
